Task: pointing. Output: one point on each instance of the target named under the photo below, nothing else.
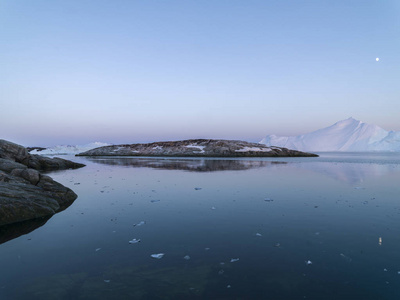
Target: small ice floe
(197, 188)
(97, 249)
(258, 234)
(187, 257)
(107, 280)
(221, 263)
(268, 200)
(317, 233)
(153, 201)
(158, 255)
(277, 245)
(220, 272)
(134, 241)
(398, 272)
(228, 286)
(384, 270)
(207, 249)
(234, 260)
(139, 224)
(346, 258)
(213, 207)
(308, 262)
(359, 188)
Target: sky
(75, 72)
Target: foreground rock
(196, 148)
(25, 193)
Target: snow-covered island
(196, 148)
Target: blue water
(302, 228)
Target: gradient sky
(74, 72)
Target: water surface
(301, 228)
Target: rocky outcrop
(25, 193)
(195, 148)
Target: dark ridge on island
(26, 193)
(197, 148)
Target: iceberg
(68, 149)
(346, 135)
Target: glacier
(347, 135)
(68, 149)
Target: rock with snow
(66, 149)
(347, 135)
(195, 148)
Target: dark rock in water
(38, 149)
(43, 163)
(196, 148)
(25, 193)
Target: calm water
(279, 228)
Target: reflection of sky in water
(346, 223)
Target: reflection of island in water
(350, 171)
(194, 165)
(12, 231)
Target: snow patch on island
(256, 149)
(200, 148)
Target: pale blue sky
(73, 72)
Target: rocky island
(26, 193)
(197, 148)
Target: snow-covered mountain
(346, 135)
(68, 149)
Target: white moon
(377, 59)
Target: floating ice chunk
(234, 260)
(153, 201)
(220, 272)
(197, 188)
(277, 245)
(308, 262)
(346, 258)
(158, 255)
(359, 188)
(268, 200)
(140, 223)
(385, 270)
(398, 272)
(213, 207)
(97, 249)
(207, 249)
(107, 280)
(134, 241)
(187, 257)
(228, 286)
(258, 234)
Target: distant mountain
(67, 149)
(346, 135)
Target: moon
(377, 59)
